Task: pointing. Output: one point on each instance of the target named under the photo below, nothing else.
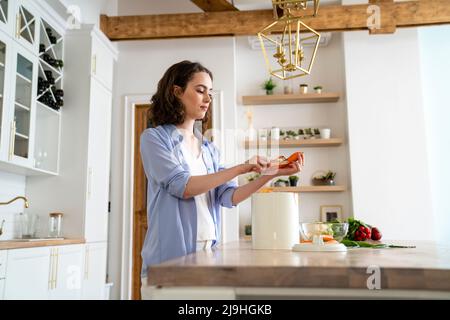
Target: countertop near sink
(236, 264)
(11, 244)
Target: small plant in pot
(281, 183)
(318, 89)
(308, 133)
(290, 134)
(324, 179)
(316, 133)
(269, 85)
(293, 181)
(301, 133)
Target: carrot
(327, 238)
(331, 242)
(292, 158)
(305, 241)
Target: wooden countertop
(236, 264)
(10, 244)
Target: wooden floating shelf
(334, 142)
(305, 189)
(291, 98)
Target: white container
(275, 220)
(275, 133)
(325, 133)
(55, 225)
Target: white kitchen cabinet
(43, 272)
(6, 15)
(98, 164)
(102, 64)
(2, 288)
(29, 124)
(94, 278)
(5, 66)
(23, 107)
(81, 190)
(27, 274)
(3, 257)
(66, 272)
(26, 24)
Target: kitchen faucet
(16, 198)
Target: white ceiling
(138, 7)
(265, 4)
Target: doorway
(142, 121)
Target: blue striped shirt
(172, 220)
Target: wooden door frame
(126, 282)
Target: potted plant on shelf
(282, 134)
(293, 181)
(308, 133)
(269, 85)
(303, 88)
(318, 89)
(316, 132)
(301, 133)
(290, 134)
(281, 183)
(324, 179)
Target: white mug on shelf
(325, 133)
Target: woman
(186, 184)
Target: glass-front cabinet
(22, 120)
(5, 65)
(5, 15)
(26, 25)
(31, 88)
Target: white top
(205, 224)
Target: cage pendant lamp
(288, 60)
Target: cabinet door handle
(50, 277)
(89, 183)
(18, 25)
(94, 64)
(86, 264)
(56, 268)
(12, 140)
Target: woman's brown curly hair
(165, 107)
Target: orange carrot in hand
(296, 156)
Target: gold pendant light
(289, 58)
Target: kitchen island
(236, 271)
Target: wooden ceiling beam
(214, 5)
(330, 18)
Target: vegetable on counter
(360, 231)
(363, 244)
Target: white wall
(141, 7)
(386, 127)
(90, 10)
(11, 186)
(435, 68)
(327, 71)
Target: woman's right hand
(255, 164)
